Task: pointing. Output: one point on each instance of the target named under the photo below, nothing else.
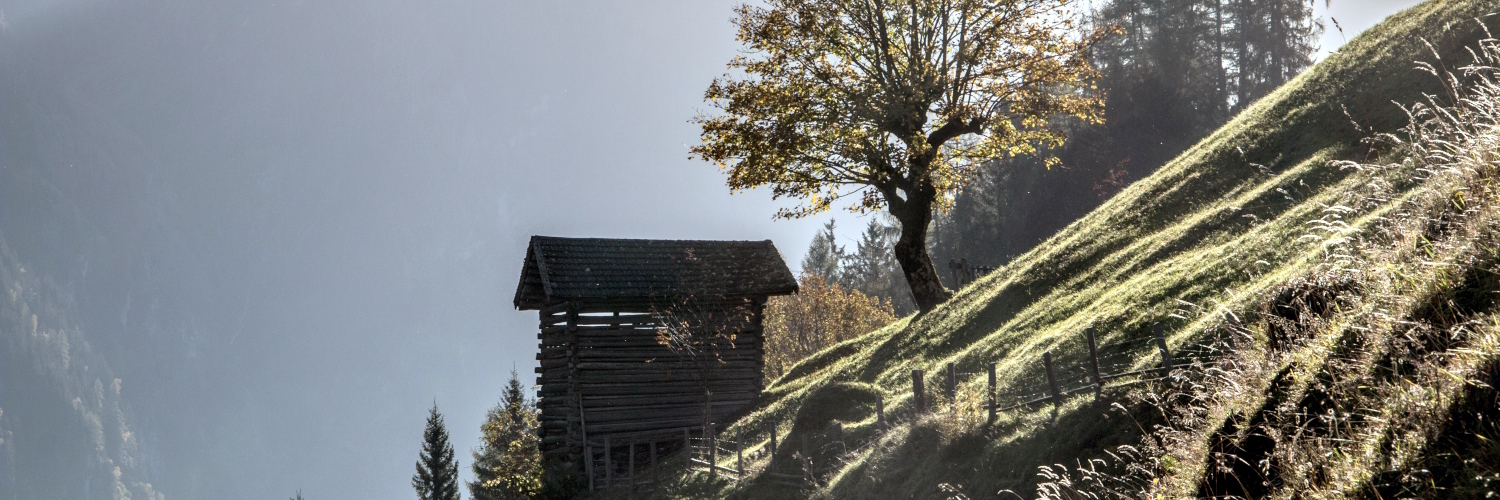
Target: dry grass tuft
(1373, 374)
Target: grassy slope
(1217, 227)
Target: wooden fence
(963, 273)
(1056, 378)
(606, 470)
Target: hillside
(64, 429)
(1359, 294)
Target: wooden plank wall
(605, 373)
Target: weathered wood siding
(606, 373)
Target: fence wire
(1120, 363)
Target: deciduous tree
(893, 104)
(822, 313)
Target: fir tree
(872, 268)
(1274, 40)
(824, 255)
(508, 462)
(437, 471)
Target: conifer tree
(508, 462)
(1274, 40)
(872, 268)
(824, 255)
(437, 471)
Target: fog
(292, 226)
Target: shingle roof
(598, 268)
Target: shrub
(820, 315)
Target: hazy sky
(1354, 16)
(347, 188)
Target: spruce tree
(872, 268)
(437, 471)
(508, 462)
(824, 255)
(1274, 40)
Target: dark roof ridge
(571, 268)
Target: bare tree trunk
(915, 213)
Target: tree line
(1175, 72)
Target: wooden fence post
(1051, 379)
(880, 413)
(991, 397)
(952, 384)
(712, 438)
(1161, 343)
(1094, 363)
(588, 464)
(630, 462)
(609, 471)
(687, 447)
(773, 446)
(916, 391)
(655, 476)
(739, 454)
(806, 460)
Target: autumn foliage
(819, 315)
(894, 104)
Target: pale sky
(1354, 16)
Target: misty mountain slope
(64, 431)
(251, 207)
(1221, 231)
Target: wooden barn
(642, 340)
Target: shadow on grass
(984, 460)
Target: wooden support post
(609, 470)
(880, 413)
(952, 384)
(655, 476)
(687, 448)
(1051, 379)
(630, 474)
(1161, 343)
(573, 388)
(739, 453)
(1094, 363)
(712, 439)
(916, 391)
(990, 398)
(588, 464)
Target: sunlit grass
(1217, 229)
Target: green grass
(1216, 229)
